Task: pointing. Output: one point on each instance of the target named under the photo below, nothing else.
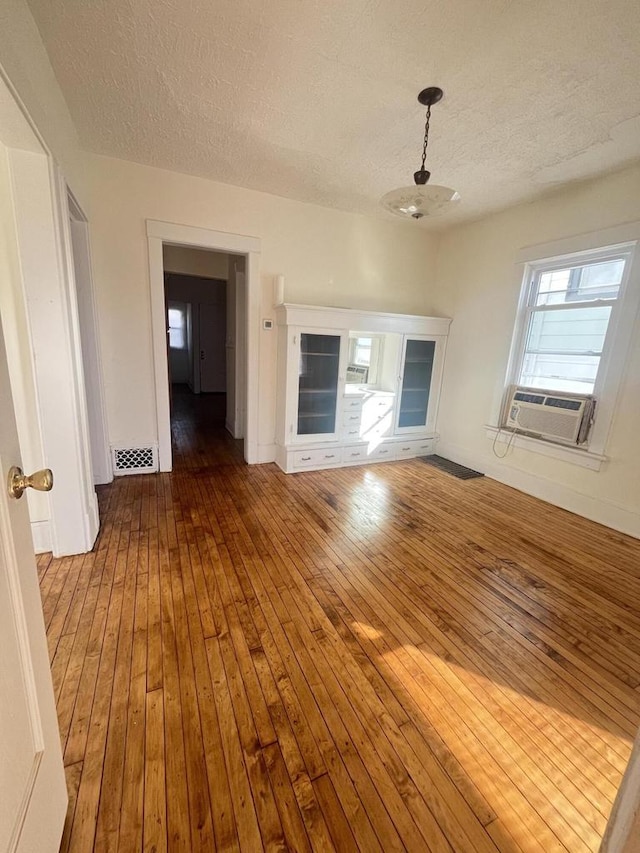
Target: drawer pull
(306, 459)
(329, 456)
(405, 448)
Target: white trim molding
(574, 455)
(168, 233)
(189, 235)
(616, 235)
(353, 320)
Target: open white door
(33, 795)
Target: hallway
(373, 658)
(198, 435)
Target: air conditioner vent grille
(559, 424)
(559, 417)
(134, 460)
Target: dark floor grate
(449, 467)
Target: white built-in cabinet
(332, 410)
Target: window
(566, 322)
(177, 315)
(573, 332)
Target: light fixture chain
(426, 136)
(421, 200)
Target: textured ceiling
(316, 99)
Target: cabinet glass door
(318, 383)
(416, 383)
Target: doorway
(242, 303)
(204, 297)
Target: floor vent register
(449, 467)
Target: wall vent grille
(134, 460)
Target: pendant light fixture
(422, 200)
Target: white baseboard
(596, 509)
(41, 534)
(266, 453)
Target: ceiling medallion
(422, 200)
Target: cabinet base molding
(293, 458)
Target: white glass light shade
(419, 201)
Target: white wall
(189, 261)
(479, 286)
(327, 258)
(26, 64)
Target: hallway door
(33, 794)
(213, 369)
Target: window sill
(573, 455)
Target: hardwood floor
(376, 658)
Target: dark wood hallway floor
(377, 658)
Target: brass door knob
(42, 481)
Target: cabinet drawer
(315, 458)
(379, 404)
(355, 453)
(352, 404)
(415, 447)
(383, 451)
(350, 419)
(351, 433)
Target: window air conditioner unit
(549, 414)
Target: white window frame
(531, 284)
(598, 245)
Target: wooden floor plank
(247, 824)
(378, 658)
(155, 793)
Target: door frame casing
(50, 298)
(158, 234)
